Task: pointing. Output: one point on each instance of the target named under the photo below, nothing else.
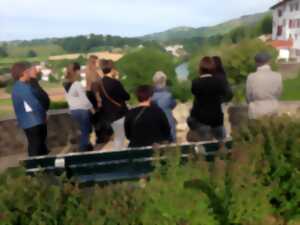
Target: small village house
(286, 29)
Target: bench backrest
(97, 167)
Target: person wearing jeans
(79, 104)
(83, 119)
(30, 113)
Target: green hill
(190, 32)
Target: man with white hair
(163, 98)
(264, 88)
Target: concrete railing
(63, 132)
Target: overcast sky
(31, 19)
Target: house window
(297, 6)
(290, 23)
(279, 13)
(279, 31)
(298, 23)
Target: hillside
(190, 32)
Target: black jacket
(145, 126)
(41, 95)
(209, 92)
(117, 92)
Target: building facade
(286, 28)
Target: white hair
(160, 79)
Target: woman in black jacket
(207, 119)
(113, 96)
(147, 124)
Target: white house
(286, 28)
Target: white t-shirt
(76, 97)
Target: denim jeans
(83, 118)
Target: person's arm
(121, 92)
(249, 90)
(164, 126)
(280, 87)
(172, 102)
(31, 99)
(228, 93)
(41, 94)
(82, 95)
(195, 87)
(127, 126)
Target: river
(182, 71)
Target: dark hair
(71, 69)
(219, 65)
(207, 66)
(107, 66)
(18, 69)
(144, 92)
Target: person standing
(113, 102)
(92, 73)
(80, 106)
(30, 113)
(147, 124)
(221, 74)
(206, 120)
(163, 98)
(264, 88)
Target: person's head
(21, 71)
(207, 66)
(262, 58)
(93, 62)
(73, 72)
(107, 66)
(160, 79)
(218, 64)
(144, 93)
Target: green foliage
(3, 52)
(86, 43)
(58, 105)
(138, 68)
(280, 161)
(259, 184)
(291, 89)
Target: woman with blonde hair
(163, 98)
(79, 105)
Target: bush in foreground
(259, 185)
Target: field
(291, 89)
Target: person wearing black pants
(37, 137)
(30, 112)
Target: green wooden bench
(129, 164)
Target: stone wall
(62, 133)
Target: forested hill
(190, 32)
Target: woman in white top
(79, 105)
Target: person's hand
(93, 111)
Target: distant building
(175, 50)
(286, 29)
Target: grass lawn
(291, 89)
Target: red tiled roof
(282, 43)
(279, 4)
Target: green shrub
(259, 184)
(58, 105)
